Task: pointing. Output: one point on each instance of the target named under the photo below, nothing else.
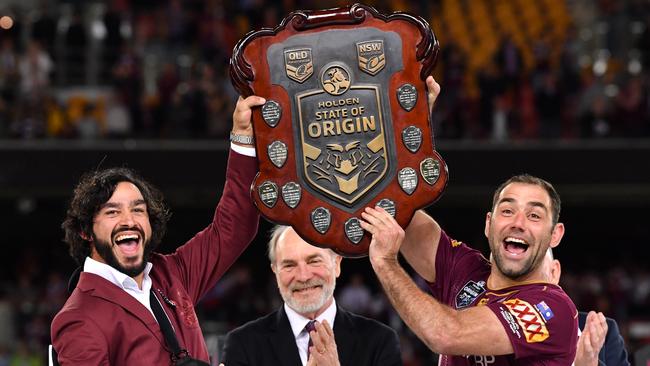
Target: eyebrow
(133, 203)
(290, 261)
(531, 203)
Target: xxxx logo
(530, 321)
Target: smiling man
(306, 277)
(114, 223)
(499, 312)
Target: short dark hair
(556, 204)
(95, 189)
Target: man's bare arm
(421, 245)
(475, 331)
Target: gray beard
(302, 308)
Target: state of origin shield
(346, 122)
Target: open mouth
(306, 289)
(515, 246)
(128, 243)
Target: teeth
(126, 237)
(516, 240)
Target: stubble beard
(512, 273)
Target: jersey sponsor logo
(484, 360)
(512, 323)
(469, 293)
(531, 322)
(545, 311)
(455, 243)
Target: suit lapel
(283, 343)
(99, 287)
(344, 334)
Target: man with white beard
(306, 277)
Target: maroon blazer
(100, 324)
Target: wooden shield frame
(346, 124)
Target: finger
(244, 106)
(372, 216)
(586, 343)
(252, 101)
(316, 339)
(433, 90)
(322, 333)
(328, 329)
(313, 353)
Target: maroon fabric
(102, 325)
(539, 318)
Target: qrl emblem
(372, 58)
(343, 138)
(299, 64)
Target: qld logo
(298, 64)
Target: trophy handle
(354, 14)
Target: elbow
(445, 339)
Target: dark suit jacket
(269, 341)
(613, 352)
(101, 324)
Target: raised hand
(241, 117)
(591, 340)
(387, 235)
(324, 351)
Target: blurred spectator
(88, 126)
(355, 296)
(34, 69)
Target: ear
(337, 264)
(85, 236)
(488, 217)
(273, 268)
(556, 271)
(557, 234)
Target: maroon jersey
(539, 318)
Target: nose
(126, 218)
(519, 220)
(304, 272)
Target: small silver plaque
(430, 170)
(387, 205)
(291, 193)
(353, 230)
(271, 112)
(412, 138)
(407, 96)
(408, 180)
(268, 192)
(277, 152)
(321, 219)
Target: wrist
(383, 262)
(242, 138)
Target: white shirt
(298, 323)
(248, 151)
(123, 281)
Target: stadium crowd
(159, 70)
